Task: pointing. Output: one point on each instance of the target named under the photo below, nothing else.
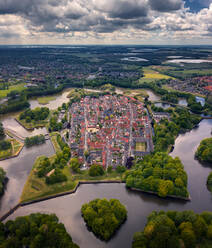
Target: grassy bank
(55, 144)
(45, 99)
(16, 147)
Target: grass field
(151, 75)
(36, 187)
(13, 151)
(18, 87)
(140, 147)
(45, 99)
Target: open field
(18, 87)
(45, 99)
(151, 75)
(140, 147)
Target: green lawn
(53, 137)
(18, 87)
(14, 150)
(140, 147)
(45, 99)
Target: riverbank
(155, 193)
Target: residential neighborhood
(108, 130)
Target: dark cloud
(166, 5)
(210, 28)
(128, 9)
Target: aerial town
(108, 130)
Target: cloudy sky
(106, 22)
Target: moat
(139, 205)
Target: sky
(147, 22)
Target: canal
(139, 205)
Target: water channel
(139, 205)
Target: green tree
(96, 170)
(75, 164)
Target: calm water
(162, 105)
(152, 96)
(10, 123)
(17, 170)
(139, 205)
(59, 100)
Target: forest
(204, 151)
(159, 173)
(104, 217)
(35, 230)
(174, 229)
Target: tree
(2, 134)
(2, 180)
(96, 170)
(109, 169)
(75, 164)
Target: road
(130, 138)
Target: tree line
(35, 230)
(174, 229)
(35, 140)
(2, 180)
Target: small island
(159, 174)
(204, 151)
(35, 118)
(35, 230)
(104, 217)
(209, 182)
(174, 229)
